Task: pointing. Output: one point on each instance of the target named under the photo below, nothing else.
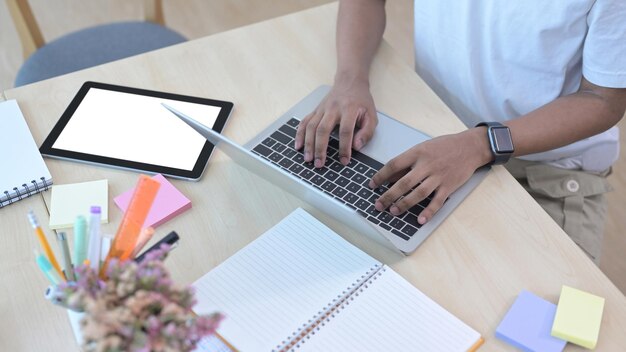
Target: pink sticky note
(168, 203)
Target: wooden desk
(498, 242)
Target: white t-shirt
(495, 60)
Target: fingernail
(344, 160)
(358, 144)
(421, 220)
(379, 206)
(298, 145)
(318, 163)
(394, 210)
(307, 156)
(372, 184)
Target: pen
(105, 245)
(144, 237)
(47, 268)
(171, 239)
(94, 238)
(65, 255)
(80, 240)
(44, 243)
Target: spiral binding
(298, 337)
(25, 190)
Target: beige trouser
(573, 198)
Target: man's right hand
(349, 105)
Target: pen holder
(75, 318)
(133, 306)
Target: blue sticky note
(527, 325)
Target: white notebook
(301, 287)
(24, 172)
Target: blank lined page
(278, 283)
(389, 314)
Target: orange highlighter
(127, 234)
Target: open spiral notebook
(301, 287)
(22, 169)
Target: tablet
(128, 128)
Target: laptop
(340, 191)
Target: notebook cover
(169, 202)
(24, 171)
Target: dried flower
(137, 308)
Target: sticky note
(527, 324)
(578, 317)
(70, 200)
(168, 203)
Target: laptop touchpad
(390, 139)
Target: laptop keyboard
(348, 184)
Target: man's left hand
(440, 165)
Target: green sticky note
(578, 317)
(70, 200)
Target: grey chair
(87, 47)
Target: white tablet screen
(136, 128)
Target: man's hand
(440, 165)
(348, 105)
(360, 27)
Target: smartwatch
(500, 142)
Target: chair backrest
(30, 34)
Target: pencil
(44, 243)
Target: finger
(441, 194)
(420, 193)
(397, 176)
(367, 123)
(399, 189)
(301, 132)
(346, 130)
(391, 170)
(309, 138)
(324, 128)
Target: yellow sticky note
(578, 317)
(70, 200)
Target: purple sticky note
(528, 323)
(168, 203)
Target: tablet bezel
(46, 148)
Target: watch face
(502, 139)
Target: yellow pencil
(44, 243)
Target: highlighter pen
(144, 237)
(171, 239)
(94, 238)
(80, 240)
(44, 243)
(65, 255)
(47, 268)
(136, 214)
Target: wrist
(480, 148)
(349, 78)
